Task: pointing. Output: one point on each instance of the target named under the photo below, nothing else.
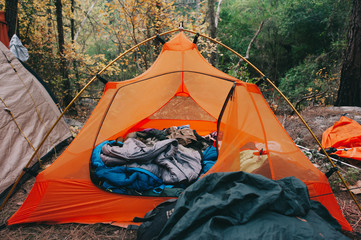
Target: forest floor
(318, 118)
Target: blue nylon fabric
(120, 179)
(131, 178)
(209, 159)
(96, 161)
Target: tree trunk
(72, 30)
(349, 93)
(212, 27)
(63, 67)
(49, 22)
(72, 21)
(11, 16)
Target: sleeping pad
(240, 205)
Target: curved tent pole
(288, 102)
(70, 104)
(147, 40)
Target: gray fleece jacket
(168, 160)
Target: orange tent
(345, 137)
(180, 88)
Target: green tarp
(248, 206)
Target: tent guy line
(333, 159)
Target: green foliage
(309, 26)
(350, 175)
(303, 25)
(311, 82)
(299, 80)
(242, 72)
(239, 21)
(299, 39)
(102, 30)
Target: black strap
(145, 219)
(331, 171)
(229, 96)
(3, 226)
(331, 150)
(103, 80)
(7, 58)
(116, 143)
(160, 39)
(132, 227)
(195, 40)
(30, 171)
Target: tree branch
(251, 42)
(254, 38)
(297, 105)
(85, 18)
(217, 13)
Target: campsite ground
(318, 118)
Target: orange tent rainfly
(344, 138)
(181, 88)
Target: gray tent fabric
(18, 49)
(240, 205)
(27, 113)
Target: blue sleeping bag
(122, 179)
(209, 158)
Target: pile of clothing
(153, 162)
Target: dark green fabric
(166, 192)
(248, 206)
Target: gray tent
(27, 113)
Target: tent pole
(213, 40)
(70, 104)
(21, 130)
(289, 103)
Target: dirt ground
(318, 118)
